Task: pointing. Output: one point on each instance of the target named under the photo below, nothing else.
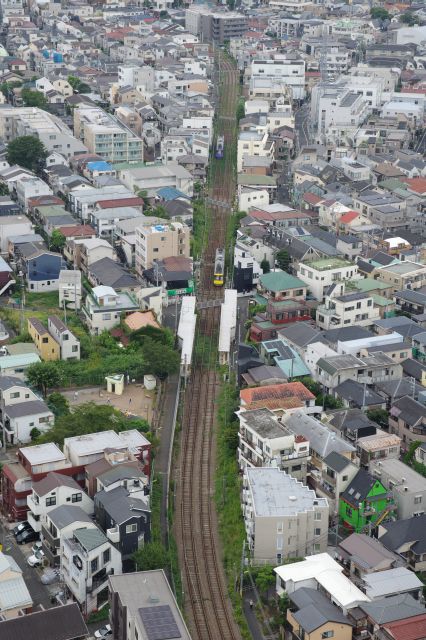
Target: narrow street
(302, 116)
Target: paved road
(301, 122)
(38, 591)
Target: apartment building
(87, 561)
(283, 70)
(31, 121)
(140, 604)
(283, 518)
(331, 371)
(337, 114)
(106, 136)
(70, 289)
(217, 26)
(155, 242)
(407, 486)
(321, 275)
(348, 310)
(402, 275)
(252, 143)
(264, 442)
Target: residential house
(19, 420)
(372, 618)
(408, 487)
(277, 352)
(264, 442)
(311, 615)
(350, 424)
(69, 345)
(349, 309)
(322, 573)
(60, 522)
(41, 267)
(278, 313)
(278, 397)
(109, 273)
(337, 473)
(377, 447)
(16, 365)
(402, 275)
(392, 582)
(54, 490)
(90, 251)
(104, 308)
(134, 610)
(333, 370)
(15, 599)
(283, 518)
(87, 561)
(322, 276)
(47, 345)
(123, 512)
(322, 441)
(56, 623)
(406, 538)
(280, 285)
(407, 418)
(365, 503)
(353, 394)
(364, 555)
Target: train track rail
(207, 604)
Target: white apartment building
(292, 6)
(70, 288)
(155, 177)
(53, 491)
(264, 442)
(252, 143)
(284, 70)
(283, 518)
(351, 309)
(87, 560)
(319, 275)
(31, 121)
(83, 200)
(83, 450)
(106, 136)
(337, 113)
(408, 487)
(136, 76)
(155, 242)
(30, 188)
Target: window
(107, 555)
(45, 340)
(94, 565)
(344, 478)
(317, 547)
(74, 348)
(131, 528)
(327, 634)
(317, 532)
(76, 497)
(318, 515)
(50, 501)
(417, 499)
(279, 527)
(15, 395)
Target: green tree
(409, 18)
(58, 404)
(378, 13)
(34, 434)
(283, 259)
(7, 87)
(4, 189)
(159, 212)
(34, 98)
(241, 111)
(44, 376)
(380, 416)
(265, 266)
(265, 578)
(283, 605)
(160, 360)
(57, 240)
(143, 193)
(153, 555)
(158, 334)
(27, 151)
(78, 85)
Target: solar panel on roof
(159, 623)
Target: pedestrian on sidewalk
(130, 401)
(251, 603)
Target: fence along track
(207, 604)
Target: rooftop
(264, 423)
(325, 264)
(275, 493)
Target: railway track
(207, 605)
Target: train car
(220, 145)
(219, 268)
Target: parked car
(37, 547)
(36, 559)
(49, 576)
(22, 526)
(104, 632)
(29, 535)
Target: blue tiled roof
(99, 165)
(170, 193)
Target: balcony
(34, 507)
(34, 521)
(113, 534)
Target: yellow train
(219, 268)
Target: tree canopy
(57, 240)
(160, 360)
(265, 266)
(33, 98)
(27, 151)
(153, 555)
(283, 259)
(44, 376)
(78, 85)
(58, 404)
(378, 13)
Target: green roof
(280, 281)
(90, 538)
(260, 299)
(367, 284)
(249, 179)
(329, 263)
(381, 301)
(20, 360)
